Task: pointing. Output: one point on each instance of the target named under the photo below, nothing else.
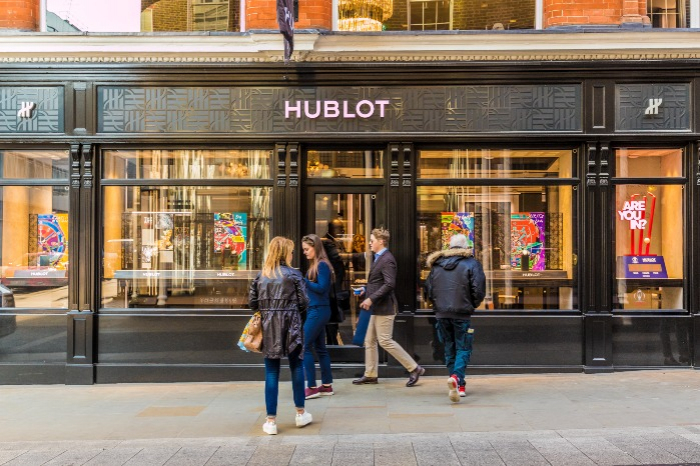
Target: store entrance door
(344, 221)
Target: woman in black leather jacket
(278, 293)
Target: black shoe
(414, 376)
(366, 380)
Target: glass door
(344, 221)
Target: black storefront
(137, 202)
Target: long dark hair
(320, 256)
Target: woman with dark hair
(278, 293)
(318, 280)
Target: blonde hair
(382, 235)
(279, 249)
(320, 256)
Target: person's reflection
(682, 332)
(334, 247)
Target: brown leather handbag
(254, 337)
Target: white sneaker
(270, 428)
(304, 419)
(453, 385)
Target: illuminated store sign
(335, 109)
(639, 263)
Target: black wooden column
(597, 276)
(693, 217)
(83, 274)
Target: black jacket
(456, 284)
(381, 282)
(281, 301)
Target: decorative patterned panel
(45, 116)
(339, 109)
(639, 108)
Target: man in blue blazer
(381, 301)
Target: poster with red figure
(527, 236)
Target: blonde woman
(318, 280)
(278, 293)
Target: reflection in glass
(192, 247)
(522, 235)
(34, 164)
(344, 164)
(495, 163)
(187, 164)
(649, 246)
(346, 220)
(35, 255)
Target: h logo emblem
(25, 111)
(653, 108)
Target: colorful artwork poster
(52, 239)
(453, 223)
(231, 232)
(527, 233)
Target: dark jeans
(454, 335)
(272, 380)
(315, 338)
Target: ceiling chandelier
(363, 15)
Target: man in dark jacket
(379, 298)
(456, 286)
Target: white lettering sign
(335, 109)
(653, 108)
(26, 110)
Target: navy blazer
(380, 285)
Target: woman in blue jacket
(318, 280)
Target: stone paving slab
(644, 417)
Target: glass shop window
(34, 230)
(345, 164)
(187, 164)
(495, 163)
(522, 235)
(432, 15)
(184, 247)
(649, 238)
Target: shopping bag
(361, 328)
(251, 338)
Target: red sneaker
(312, 393)
(326, 390)
(462, 392)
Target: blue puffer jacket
(280, 300)
(456, 284)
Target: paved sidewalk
(645, 417)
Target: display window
(184, 246)
(187, 164)
(522, 235)
(649, 239)
(349, 164)
(495, 163)
(34, 226)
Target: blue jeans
(315, 338)
(272, 380)
(454, 335)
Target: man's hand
(366, 304)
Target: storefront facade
(138, 200)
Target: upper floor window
(435, 15)
(669, 13)
(209, 15)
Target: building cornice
(314, 46)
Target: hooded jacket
(456, 284)
(281, 301)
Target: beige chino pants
(381, 330)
